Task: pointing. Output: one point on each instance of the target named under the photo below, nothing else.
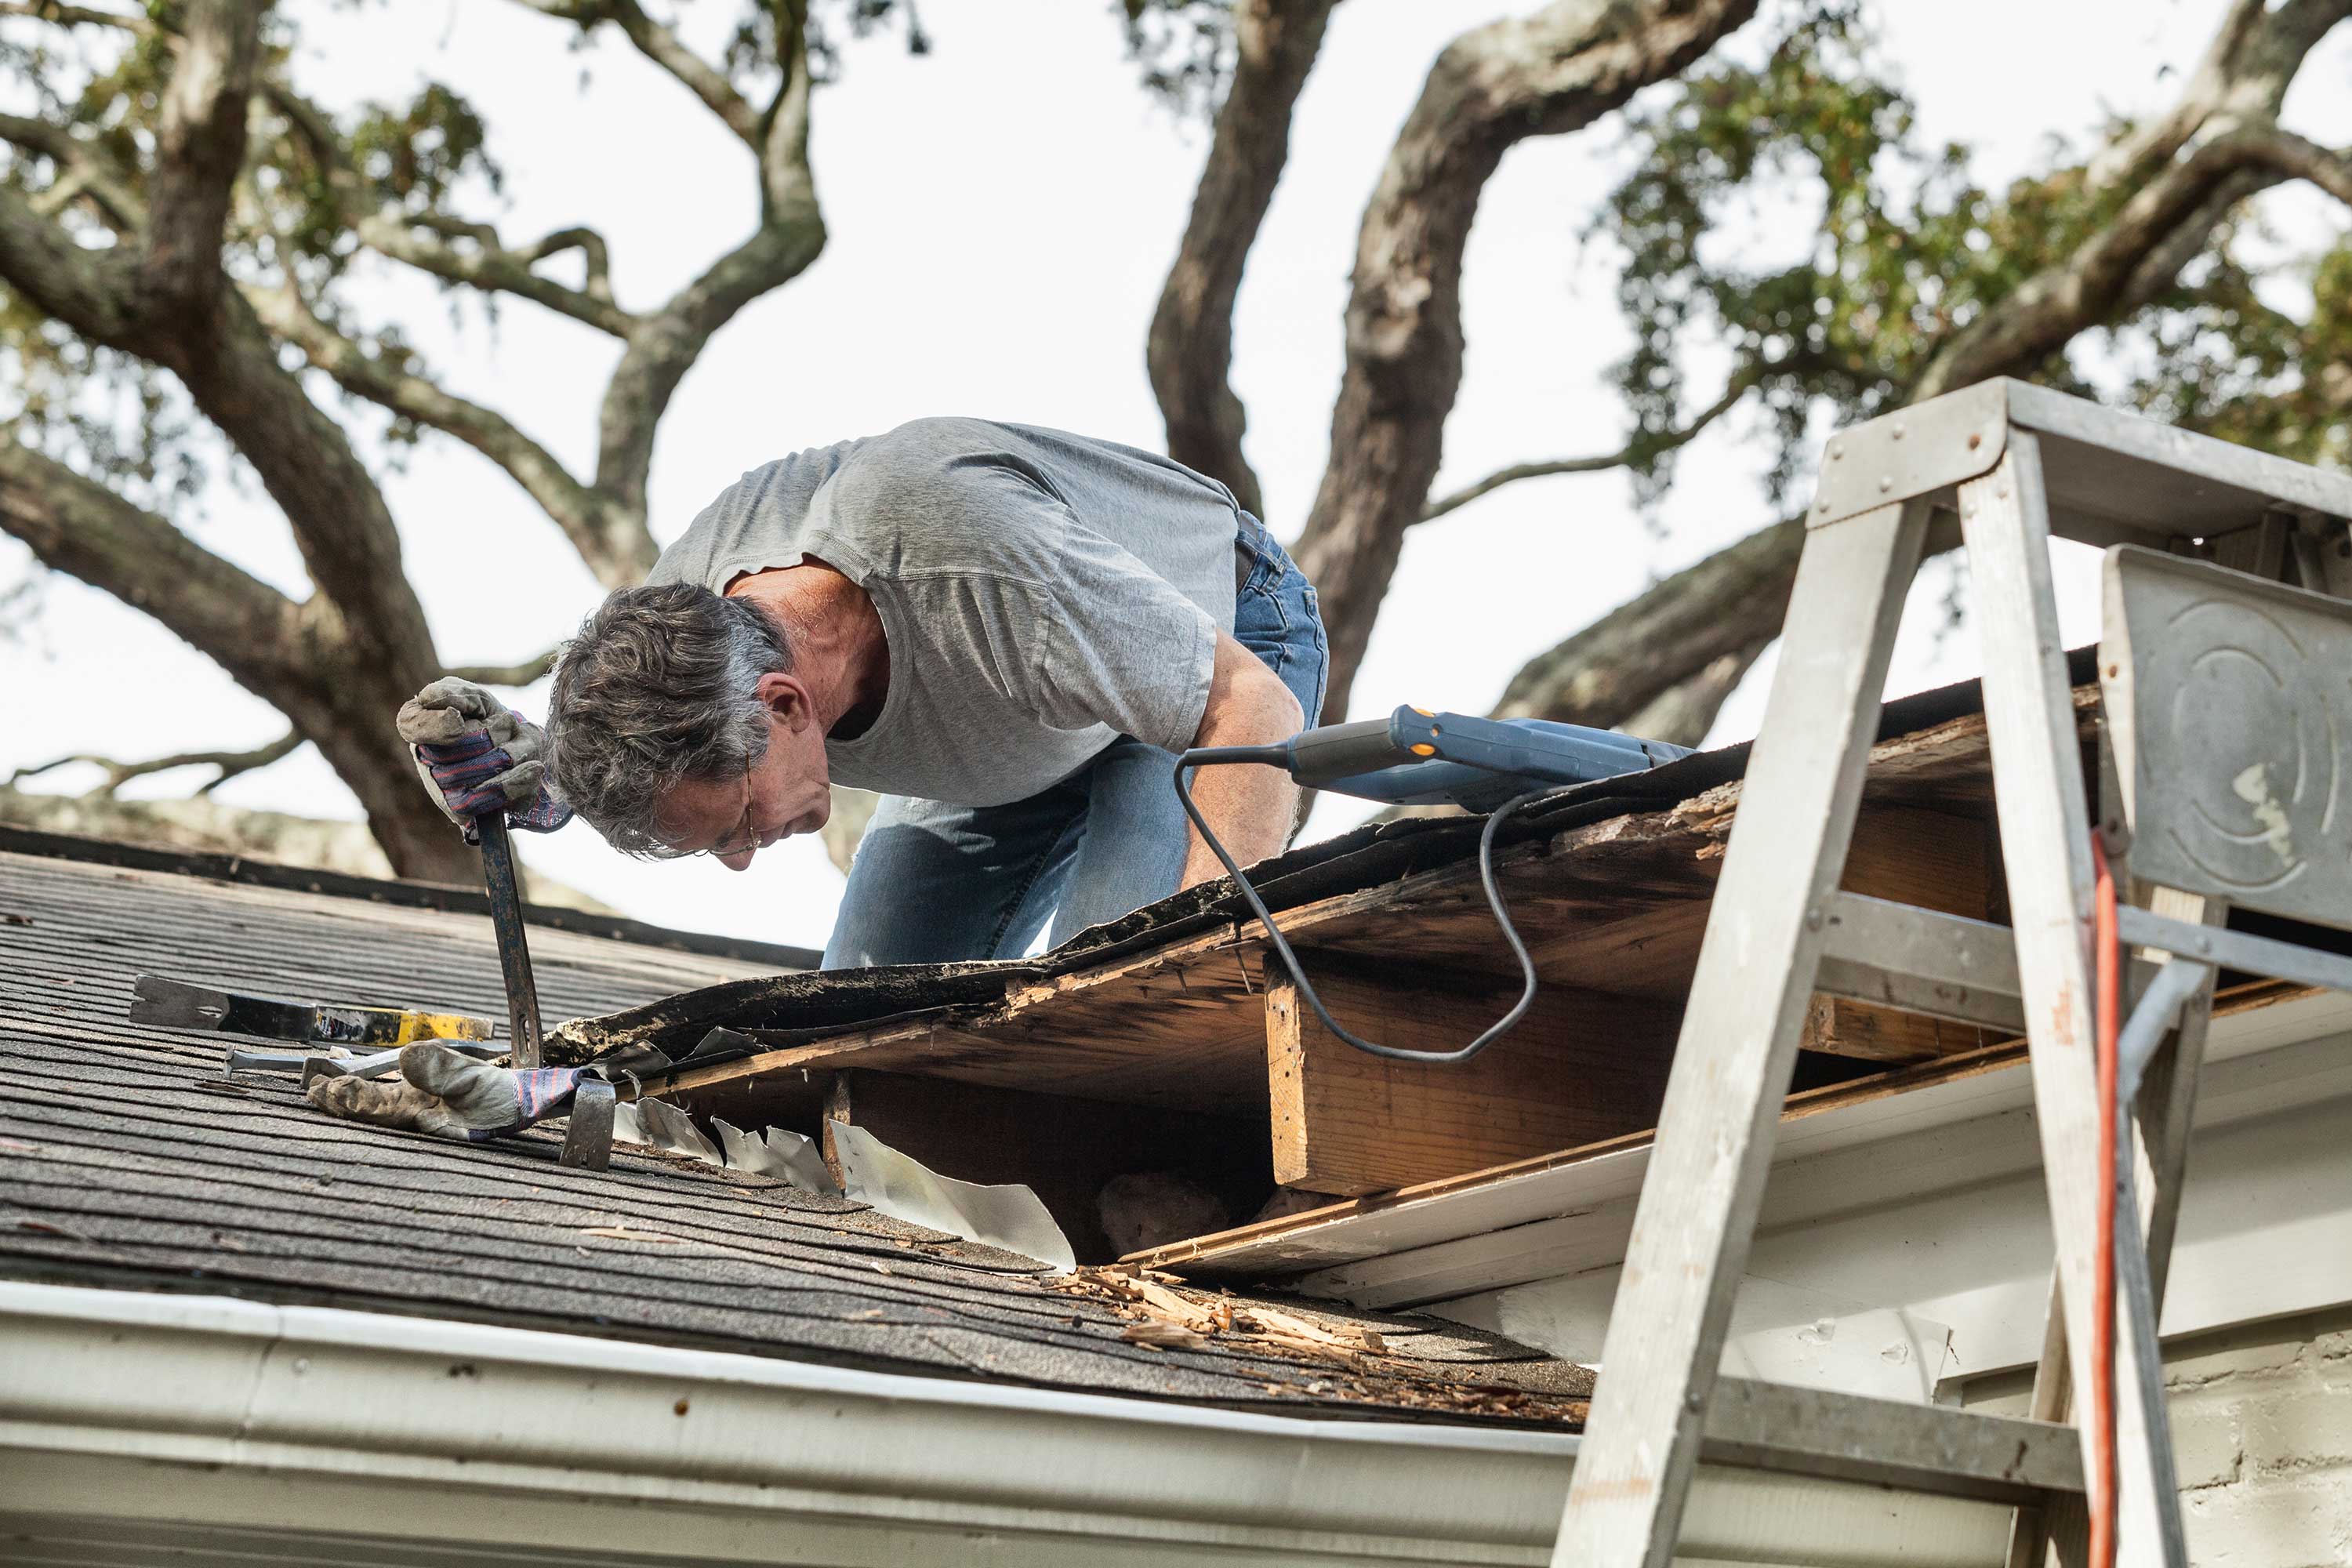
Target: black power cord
(1280, 756)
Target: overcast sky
(1002, 213)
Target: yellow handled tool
(176, 1004)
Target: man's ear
(784, 696)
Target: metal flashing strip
(1007, 1217)
(389, 1437)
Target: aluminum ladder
(2204, 781)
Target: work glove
(474, 754)
(449, 1095)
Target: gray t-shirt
(1041, 593)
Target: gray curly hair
(659, 685)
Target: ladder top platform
(2113, 477)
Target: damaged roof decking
(127, 1160)
(1608, 884)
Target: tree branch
(1492, 87)
(1671, 636)
(77, 16)
(117, 774)
(92, 291)
(587, 519)
(81, 528)
(1729, 604)
(490, 264)
(2160, 268)
(611, 537)
(1190, 350)
(230, 366)
(151, 306)
(662, 47)
(1682, 715)
(199, 146)
(1632, 452)
(337, 665)
(2041, 314)
(1673, 633)
(596, 258)
(666, 343)
(2130, 157)
(2241, 77)
(2299, 157)
(522, 674)
(89, 170)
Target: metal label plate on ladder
(2229, 699)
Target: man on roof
(1006, 631)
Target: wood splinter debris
(1161, 1334)
(1171, 1320)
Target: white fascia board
(1962, 1238)
(371, 1439)
(1577, 1217)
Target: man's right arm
(1249, 809)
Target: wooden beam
(1581, 1066)
(1841, 1028)
(1930, 858)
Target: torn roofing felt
(128, 1161)
(791, 1008)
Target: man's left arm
(1249, 808)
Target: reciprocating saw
(1415, 757)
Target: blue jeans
(934, 883)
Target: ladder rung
(1899, 955)
(2236, 949)
(1914, 1447)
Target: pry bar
(334, 1064)
(501, 881)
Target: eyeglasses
(739, 839)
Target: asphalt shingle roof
(129, 1159)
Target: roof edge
(514, 1439)
(217, 866)
(388, 1415)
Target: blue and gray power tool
(1415, 757)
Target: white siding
(2261, 1430)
